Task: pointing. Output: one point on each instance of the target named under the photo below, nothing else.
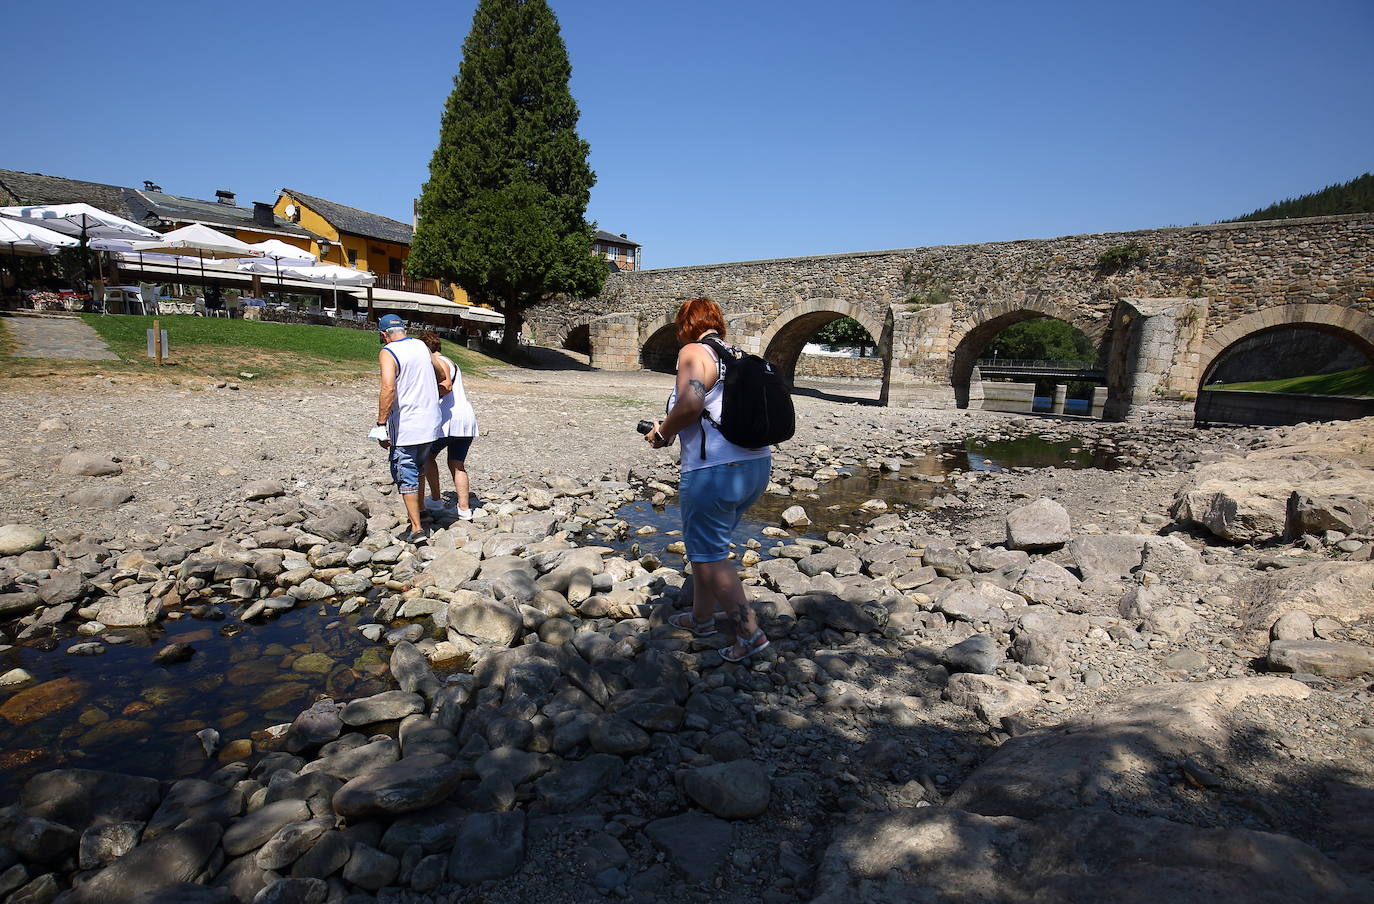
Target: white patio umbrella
(30, 238)
(334, 275)
(278, 251)
(198, 240)
(81, 220)
(24, 237)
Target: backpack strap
(722, 351)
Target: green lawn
(1358, 381)
(224, 348)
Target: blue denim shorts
(713, 500)
(406, 464)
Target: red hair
(696, 316)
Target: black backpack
(756, 402)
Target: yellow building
(361, 240)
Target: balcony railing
(402, 283)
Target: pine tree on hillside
(503, 212)
(1355, 196)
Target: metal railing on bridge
(1082, 370)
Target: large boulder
(1339, 590)
(981, 602)
(410, 783)
(1043, 524)
(989, 697)
(453, 568)
(1321, 657)
(480, 618)
(87, 464)
(734, 790)
(1107, 556)
(166, 860)
(101, 497)
(1103, 756)
(16, 539)
(1081, 857)
(489, 846)
(1247, 498)
(341, 523)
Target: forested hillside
(1355, 196)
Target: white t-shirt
(455, 411)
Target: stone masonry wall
(839, 366)
(1240, 267)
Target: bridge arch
(658, 348)
(782, 342)
(969, 338)
(1354, 326)
(578, 339)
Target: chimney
(150, 185)
(262, 214)
(224, 196)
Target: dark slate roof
(148, 207)
(604, 236)
(36, 188)
(212, 213)
(358, 222)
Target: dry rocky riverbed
(1038, 683)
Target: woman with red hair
(719, 481)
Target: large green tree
(504, 211)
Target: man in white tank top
(408, 410)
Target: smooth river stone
(411, 783)
(166, 860)
(382, 707)
(32, 704)
(252, 831)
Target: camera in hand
(644, 427)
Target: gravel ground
(881, 736)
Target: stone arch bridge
(1162, 306)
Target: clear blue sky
(737, 130)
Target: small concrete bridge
(1160, 324)
(1013, 368)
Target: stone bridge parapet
(1161, 305)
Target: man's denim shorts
(713, 500)
(406, 464)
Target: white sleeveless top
(455, 411)
(414, 417)
(719, 450)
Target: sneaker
(414, 537)
(436, 505)
(465, 514)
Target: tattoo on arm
(698, 387)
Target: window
(393, 266)
(352, 257)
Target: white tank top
(414, 417)
(455, 411)
(719, 450)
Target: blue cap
(390, 322)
